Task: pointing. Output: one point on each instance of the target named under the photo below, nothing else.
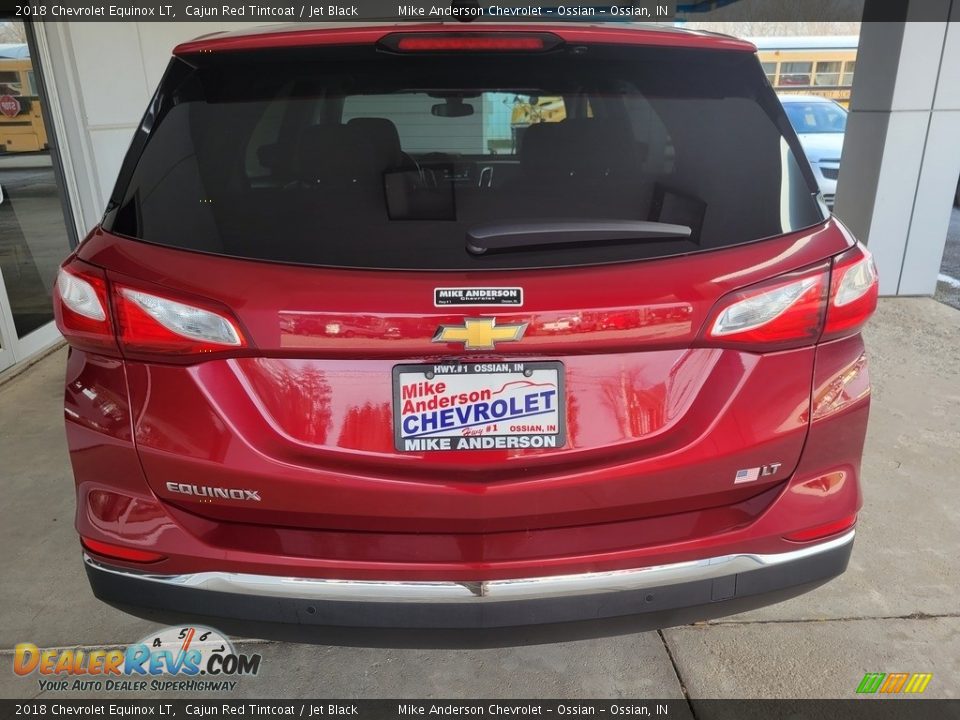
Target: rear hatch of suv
(472, 282)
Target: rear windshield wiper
(533, 233)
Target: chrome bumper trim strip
(471, 592)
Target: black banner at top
(621, 11)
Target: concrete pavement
(896, 608)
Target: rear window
(355, 157)
(816, 117)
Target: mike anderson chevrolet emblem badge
(480, 333)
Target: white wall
(103, 75)
(901, 154)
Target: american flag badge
(747, 475)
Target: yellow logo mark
(480, 333)
(918, 682)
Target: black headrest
(336, 155)
(584, 148)
(595, 146)
(383, 135)
(541, 150)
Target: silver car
(820, 124)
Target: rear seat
(382, 134)
(573, 168)
(584, 151)
(337, 156)
(402, 183)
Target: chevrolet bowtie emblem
(480, 333)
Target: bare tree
(12, 32)
(777, 29)
(752, 18)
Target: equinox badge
(480, 333)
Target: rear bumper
(709, 587)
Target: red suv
(465, 326)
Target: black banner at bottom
(856, 709)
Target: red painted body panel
(658, 426)
(824, 487)
(350, 477)
(285, 308)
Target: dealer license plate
(478, 406)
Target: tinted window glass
(848, 70)
(828, 73)
(9, 82)
(357, 158)
(795, 73)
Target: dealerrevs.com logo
(175, 659)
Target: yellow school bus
(810, 65)
(537, 110)
(21, 119)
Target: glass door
(6, 323)
(34, 233)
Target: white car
(820, 124)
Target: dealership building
(72, 94)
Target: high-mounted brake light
(151, 323)
(854, 288)
(470, 42)
(774, 315)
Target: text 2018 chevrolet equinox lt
(465, 326)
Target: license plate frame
(513, 380)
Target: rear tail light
(120, 552)
(151, 323)
(470, 42)
(822, 531)
(826, 302)
(135, 321)
(774, 315)
(82, 297)
(854, 288)
(81, 307)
